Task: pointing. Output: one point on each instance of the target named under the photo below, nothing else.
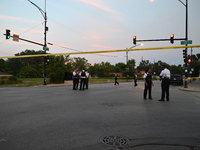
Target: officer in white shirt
(75, 79)
(165, 77)
(87, 79)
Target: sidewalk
(193, 86)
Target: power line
(78, 50)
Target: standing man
(75, 79)
(135, 79)
(116, 76)
(83, 79)
(148, 84)
(165, 77)
(87, 79)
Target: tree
(28, 72)
(3, 65)
(31, 61)
(56, 69)
(15, 64)
(131, 66)
(79, 63)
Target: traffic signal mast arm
(178, 39)
(28, 41)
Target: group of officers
(82, 77)
(164, 77)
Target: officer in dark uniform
(148, 84)
(83, 80)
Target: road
(105, 116)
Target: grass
(39, 81)
(26, 82)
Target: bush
(2, 81)
(57, 77)
(28, 72)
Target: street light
(131, 48)
(44, 14)
(186, 35)
(127, 57)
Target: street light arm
(182, 3)
(135, 46)
(42, 11)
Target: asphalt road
(104, 117)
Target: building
(6, 75)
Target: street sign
(186, 42)
(15, 37)
(45, 48)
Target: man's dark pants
(165, 88)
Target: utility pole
(186, 38)
(44, 14)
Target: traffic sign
(186, 42)
(45, 48)
(15, 37)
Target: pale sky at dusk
(93, 25)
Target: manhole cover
(116, 141)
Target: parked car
(176, 79)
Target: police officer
(165, 77)
(83, 80)
(148, 84)
(87, 79)
(75, 79)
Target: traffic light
(189, 60)
(7, 34)
(172, 38)
(185, 55)
(134, 40)
(46, 60)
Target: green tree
(79, 63)
(28, 72)
(56, 69)
(3, 65)
(15, 64)
(131, 67)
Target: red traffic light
(172, 38)
(189, 60)
(134, 40)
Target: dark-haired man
(165, 77)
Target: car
(176, 79)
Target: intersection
(60, 118)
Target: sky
(94, 25)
